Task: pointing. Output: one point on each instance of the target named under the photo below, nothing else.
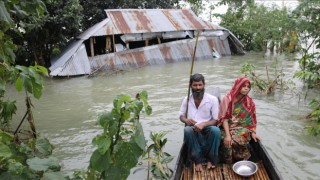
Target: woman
(237, 116)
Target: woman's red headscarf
(227, 103)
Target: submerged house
(138, 37)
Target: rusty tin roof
(127, 21)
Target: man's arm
(200, 126)
(188, 122)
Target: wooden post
(108, 44)
(113, 41)
(114, 48)
(159, 41)
(91, 47)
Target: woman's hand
(255, 137)
(227, 141)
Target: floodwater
(68, 109)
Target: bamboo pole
(114, 48)
(268, 74)
(191, 69)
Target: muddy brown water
(68, 110)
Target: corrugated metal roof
(98, 29)
(161, 54)
(126, 21)
(66, 54)
(73, 62)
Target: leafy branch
(160, 159)
(268, 86)
(122, 141)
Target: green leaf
(103, 143)
(166, 160)
(38, 164)
(100, 162)
(7, 175)
(19, 84)
(5, 151)
(37, 90)
(19, 12)
(23, 69)
(4, 15)
(5, 137)
(125, 114)
(53, 176)
(35, 75)
(143, 95)
(148, 110)
(25, 149)
(41, 70)
(43, 147)
(27, 83)
(139, 137)
(120, 100)
(116, 172)
(8, 109)
(15, 168)
(138, 105)
(105, 118)
(127, 154)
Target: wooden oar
(193, 57)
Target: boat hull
(267, 167)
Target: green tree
(42, 37)
(256, 26)
(308, 19)
(196, 6)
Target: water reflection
(68, 110)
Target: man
(201, 136)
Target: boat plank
(222, 172)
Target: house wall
(161, 54)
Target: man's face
(197, 89)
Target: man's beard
(198, 94)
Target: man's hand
(190, 122)
(198, 127)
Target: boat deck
(222, 172)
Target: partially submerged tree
(274, 80)
(259, 27)
(308, 17)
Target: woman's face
(245, 88)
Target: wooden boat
(266, 167)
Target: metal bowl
(245, 168)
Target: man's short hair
(196, 78)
